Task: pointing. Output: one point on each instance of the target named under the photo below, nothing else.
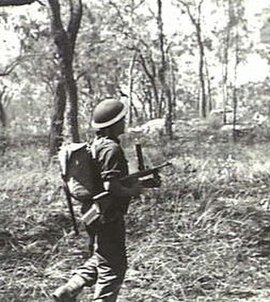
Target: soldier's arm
(112, 172)
(115, 187)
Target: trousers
(107, 266)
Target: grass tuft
(203, 236)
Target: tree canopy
(129, 50)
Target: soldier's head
(109, 116)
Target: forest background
(195, 77)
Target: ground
(203, 236)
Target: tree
(137, 42)
(195, 18)
(236, 12)
(3, 117)
(4, 100)
(66, 85)
(163, 71)
(225, 61)
(152, 64)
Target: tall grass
(202, 236)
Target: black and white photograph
(134, 150)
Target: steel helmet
(107, 113)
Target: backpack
(79, 170)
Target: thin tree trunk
(225, 66)
(3, 121)
(203, 106)
(152, 79)
(57, 120)
(209, 89)
(235, 96)
(173, 85)
(3, 116)
(130, 90)
(149, 99)
(166, 91)
(197, 25)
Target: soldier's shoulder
(106, 143)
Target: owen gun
(102, 201)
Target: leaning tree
(65, 39)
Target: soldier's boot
(69, 291)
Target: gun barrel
(145, 172)
(168, 163)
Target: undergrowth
(203, 236)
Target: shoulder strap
(92, 148)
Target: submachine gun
(102, 201)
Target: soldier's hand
(136, 189)
(153, 182)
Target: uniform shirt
(112, 164)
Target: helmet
(107, 113)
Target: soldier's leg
(109, 281)
(85, 275)
(69, 291)
(111, 261)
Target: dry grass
(204, 236)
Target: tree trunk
(130, 92)
(3, 121)
(225, 65)
(209, 88)
(152, 78)
(57, 120)
(203, 106)
(235, 96)
(234, 113)
(3, 118)
(72, 108)
(166, 91)
(173, 85)
(197, 24)
(148, 98)
(65, 43)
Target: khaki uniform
(107, 266)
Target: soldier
(107, 266)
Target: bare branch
(20, 59)
(114, 5)
(11, 67)
(187, 7)
(18, 2)
(139, 4)
(2, 92)
(75, 21)
(146, 69)
(56, 16)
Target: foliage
(109, 36)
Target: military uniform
(107, 266)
